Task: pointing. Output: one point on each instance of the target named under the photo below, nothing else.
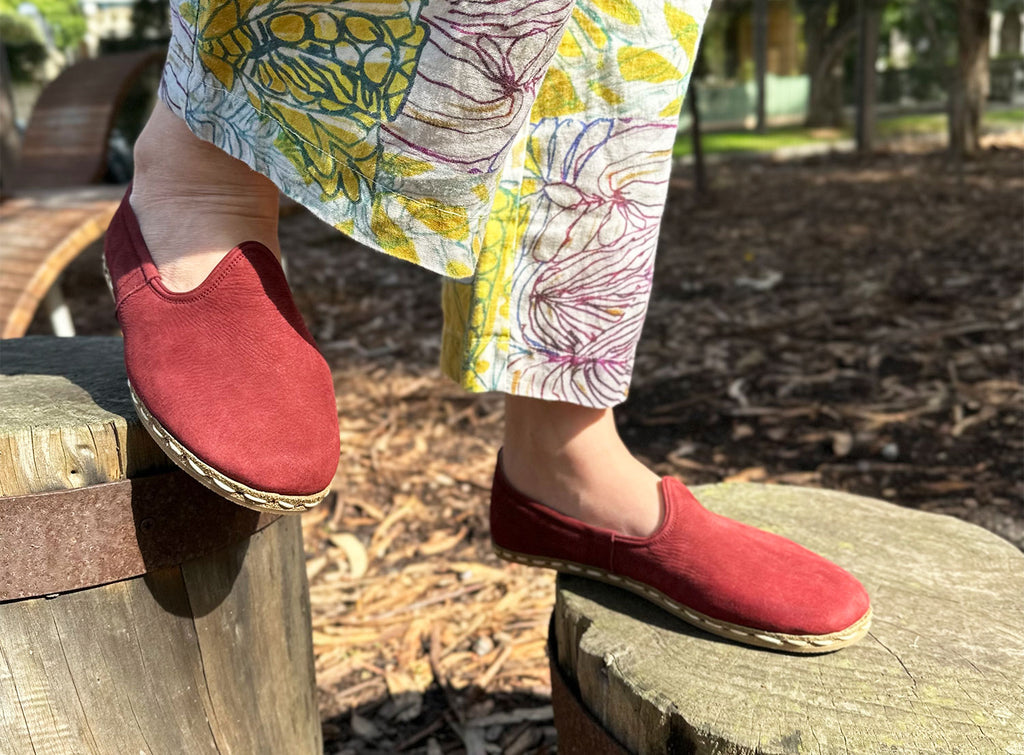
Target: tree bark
(1010, 32)
(970, 84)
(825, 47)
(869, 24)
(761, 58)
(700, 176)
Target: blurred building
(106, 19)
(728, 86)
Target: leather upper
(229, 368)
(722, 568)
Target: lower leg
(571, 458)
(195, 202)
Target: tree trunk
(9, 136)
(1010, 32)
(761, 58)
(700, 177)
(825, 47)
(815, 30)
(870, 22)
(970, 85)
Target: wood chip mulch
(852, 323)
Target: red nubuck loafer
(722, 576)
(226, 377)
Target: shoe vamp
(238, 385)
(736, 573)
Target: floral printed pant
(520, 148)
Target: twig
(485, 678)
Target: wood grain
(252, 619)
(103, 671)
(210, 656)
(42, 233)
(942, 669)
(66, 419)
(65, 142)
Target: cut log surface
(66, 417)
(212, 654)
(941, 671)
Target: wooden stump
(139, 613)
(941, 671)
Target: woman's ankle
(572, 459)
(195, 202)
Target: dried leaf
(355, 553)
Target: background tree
(951, 41)
(700, 173)
(1010, 31)
(9, 136)
(29, 46)
(151, 22)
(930, 28)
(869, 21)
(970, 81)
(63, 17)
(830, 26)
(760, 18)
(24, 49)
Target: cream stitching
(678, 608)
(207, 473)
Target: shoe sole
(792, 643)
(199, 470)
(218, 482)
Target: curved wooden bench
(138, 611)
(58, 208)
(42, 233)
(52, 218)
(65, 142)
(941, 671)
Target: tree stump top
(942, 669)
(66, 417)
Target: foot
(725, 577)
(228, 382)
(571, 458)
(195, 203)
(565, 479)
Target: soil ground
(846, 322)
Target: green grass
(1009, 117)
(935, 123)
(904, 125)
(749, 141)
(910, 125)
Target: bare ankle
(195, 202)
(552, 427)
(572, 459)
(174, 165)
